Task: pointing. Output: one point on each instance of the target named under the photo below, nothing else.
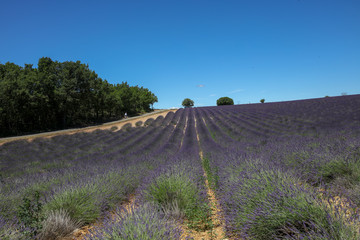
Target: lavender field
(287, 170)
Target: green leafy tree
(262, 100)
(188, 102)
(12, 97)
(63, 94)
(224, 101)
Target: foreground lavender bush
(58, 225)
(329, 161)
(270, 204)
(145, 222)
(86, 202)
(176, 194)
(9, 231)
(82, 203)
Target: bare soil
(118, 124)
(217, 232)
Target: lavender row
(174, 190)
(83, 178)
(271, 189)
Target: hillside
(113, 126)
(285, 170)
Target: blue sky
(199, 49)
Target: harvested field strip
(118, 124)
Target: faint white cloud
(212, 95)
(236, 91)
(200, 85)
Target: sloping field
(116, 125)
(288, 170)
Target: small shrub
(262, 100)
(145, 223)
(57, 225)
(148, 122)
(335, 169)
(139, 123)
(172, 209)
(8, 231)
(159, 121)
(80, 203)
(339, 168)
(117, 185)
(114, 128)
(126, 127)
(177, 195)
(30, 214)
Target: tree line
(58, 95)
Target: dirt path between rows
(118, 124)
(217, 232)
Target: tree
(225, 101)
(188, 102)
(63, 94)
(262, 100)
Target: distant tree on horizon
(262, 100)
(224, 101)
(188, 102)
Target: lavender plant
(88, 174)
(57, 225)
(177, 195)
(268, 179)
(270, 204)
(145, 222)
(272, 167)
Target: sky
(247, 50)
